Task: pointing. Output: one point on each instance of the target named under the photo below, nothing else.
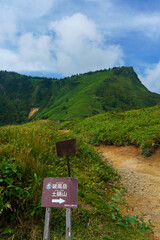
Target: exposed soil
(141, 178)
(32, 112)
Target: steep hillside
(19, 93)
(97, 92)
(71, 98)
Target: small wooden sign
(66, 147)
(60, 192)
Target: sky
(60, 38)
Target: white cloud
(78, 27)
(118, 19)
(79, 42)
(151, 79)
(106, 2)
(33, 54)
(34, 48)
(148, 24)
(79, 46)
(8, 26)
(7, 59)
(14, 13)
(30, 8)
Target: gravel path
(141, 178)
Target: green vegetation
(92, 93)
(19, 93)
(27, 152)
(27, 155)
(139, 127)
(71, 98)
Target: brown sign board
(60, 192)
(66, 147)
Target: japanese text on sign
(60, 192)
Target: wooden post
(68, 224)
(68, 210)
(68, 166)
(46, 225)
(66, 148)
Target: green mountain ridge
(73, 97)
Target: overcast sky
(58, 38)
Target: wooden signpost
(46, 225)
(66, 147)
(61, 192)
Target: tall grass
(27, 155)
(139, 127)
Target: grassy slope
(135, 127)
(72, 102)
(27, 155)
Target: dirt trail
(141, 178)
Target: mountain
(74, 97)
(19, 93)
